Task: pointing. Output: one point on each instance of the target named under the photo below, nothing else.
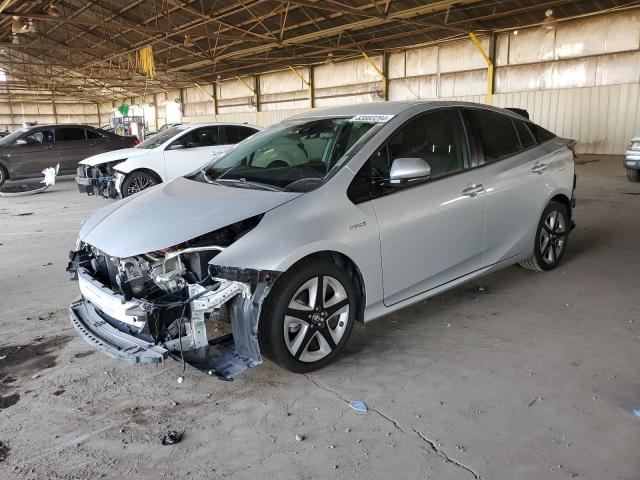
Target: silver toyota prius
(326, 219)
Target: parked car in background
(326, 219)
(632, 160)
(172, 153)
(26, 152)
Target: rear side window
(526, 137)
(236, 134)
(69, 134)
(540, 133)
(496, 133)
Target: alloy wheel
(553, 237)
(138, 184)
(316, 318)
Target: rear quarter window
(496, 133)
(540, 133)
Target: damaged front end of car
(98, 179)
(172, 303)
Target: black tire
(551, 238)
(633, 175)
(136, 182)
(323, 323)
(4, 176)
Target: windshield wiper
(244, 183)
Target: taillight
(572, 146)
(136, 141)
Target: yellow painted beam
(307, 83)
(490, 67)
(383, 77)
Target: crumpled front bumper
(96, 184)
(118, 328)
(102, 336)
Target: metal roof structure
(86, 49)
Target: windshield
(160, 137)
(12, 137)
(296, 155)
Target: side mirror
(20, 141)
(408, 170)
(176, 146)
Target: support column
(384, 80)
(308, 83)
(489, 58)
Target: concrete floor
(534, 377)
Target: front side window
(496, 133)
(37, 138)
(236, 133)
(438, 138)
(69, 134)
(296, 154)
(200, 137)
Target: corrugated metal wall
(579, 80)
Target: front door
(191, 151)
(431, 233)
(34, 152)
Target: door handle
(473, 190)
(539, 168)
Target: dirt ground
(531, 376)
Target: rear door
(192, 150)
(33, 152)
(97, 142)
(73, 147)
(515, 181)
(430, 233)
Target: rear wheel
(633, 175)
(309, 316)
(136, 182)
(551, 238)
(3, 175)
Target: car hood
(172, 213)
(113, 155)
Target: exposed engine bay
(165, 303)
(98, 180)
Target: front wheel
(136, 182)
(633, 175)
(551, 238)
(309, 316)
(3, 175)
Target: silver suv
(326, 219)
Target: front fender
(142, 163)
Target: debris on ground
(534, 401)
(299, 437)
(636, 413)
(9, 400)
(4, 451)
(358, 405)
(171, 437)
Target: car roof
(394, 108)
(211, 124)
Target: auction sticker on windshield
(372, 118)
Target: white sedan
(169, 154)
